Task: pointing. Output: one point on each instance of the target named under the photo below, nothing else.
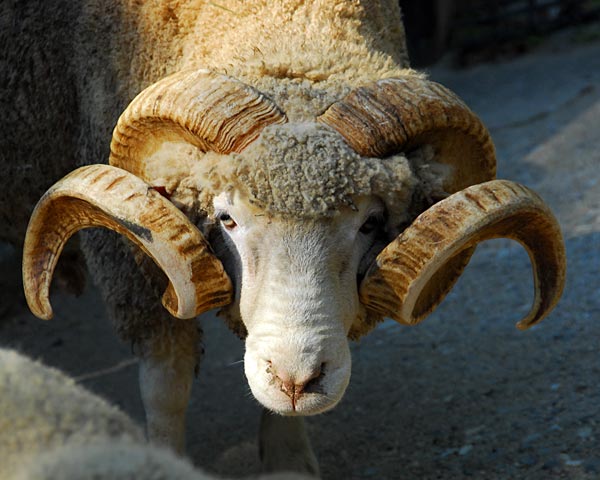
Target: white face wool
(296, 297)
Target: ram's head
(325, 227)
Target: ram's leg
(131, 286)
(166, 374)
(284, 445)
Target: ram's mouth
(302, 404)
(317, 395)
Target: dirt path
(463, 395)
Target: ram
(279, 160)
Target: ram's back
(69, 67)
(38, 103)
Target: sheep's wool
(302, 170)
(42, 409)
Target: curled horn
(208, 110)
(105, 196)
(414, 272)
(400, 114)
(402, 283)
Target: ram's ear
(105, 196)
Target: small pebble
(584, 432)
(448, 452)
(465, 449)
(529, 439)
(568, 461)
(473, 431)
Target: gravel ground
(462, 395)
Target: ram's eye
(371, 224)
(227, 221)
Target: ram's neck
(292, 39)
(281, 47)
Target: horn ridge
(208, 110)
(397, 114)
(105, 196)
(412, 275)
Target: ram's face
(295, 277)
(296, 291)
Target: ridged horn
(211, 111)
(404, 283)
(105, 196)
(400, 114)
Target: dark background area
(481, 30)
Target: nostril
(313, 385)
(290, 388)
(269, 368)
(317, 373)
(293, 387)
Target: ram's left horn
(105, 196)
(402, 282)
(400, 114)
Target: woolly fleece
(120, 460)
(264, 43)
(306, 170)
(42, 409)
(53, 429)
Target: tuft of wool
(41, 409)
(307, 170)
(53, 429)
(121, 460)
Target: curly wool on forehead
(308, 170)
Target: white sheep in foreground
(335, 185)
(53, 429)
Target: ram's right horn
(403, 284)
(105, 196)
(211, 111)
